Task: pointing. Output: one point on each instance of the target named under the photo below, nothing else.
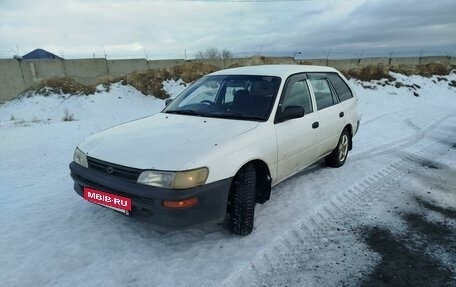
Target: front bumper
(212, 197)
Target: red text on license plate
(108, 199)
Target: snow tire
(242, 200)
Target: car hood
(163, 141)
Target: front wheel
(242, 200)
(339, 154)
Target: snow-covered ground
(306, 235)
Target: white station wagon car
(218, 148)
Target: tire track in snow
(385, 115)
(390, 147)
(320, 242)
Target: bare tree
(213, 53)
(226, 54)
(199, 55)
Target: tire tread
(243, 201)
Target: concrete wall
(316, 62)
(11, 80)
(436, 60)
(163, 64)
(16, 76)
(122, 67)
(374, 61)
(345, 64)
(405, 61)
(26, 70)
(87, 71)
(48, 68)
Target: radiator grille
(120, 171)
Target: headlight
(157, 178)
(190, 178)
(174, 179)
(80, 158)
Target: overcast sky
(175, 29)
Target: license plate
(115, 202)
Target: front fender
(257, 144)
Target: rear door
(297, 139)
(347, 100)
(330, 112)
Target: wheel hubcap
(343, 147)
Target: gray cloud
(164, 29)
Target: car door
(347, 100)
(297, 139)
(330, 112)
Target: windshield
(231, 96)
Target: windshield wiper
(184, 112)
(236, 116)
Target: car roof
(282, 71)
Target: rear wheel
(242, 200)
(339, 154)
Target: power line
(303, 53)
(243, 1)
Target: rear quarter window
(342, 89)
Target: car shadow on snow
(146, 222)
(122, 229)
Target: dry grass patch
(149, 82)
(305, 63)
(431, 69)
(380, 71)
(367, 73)
(60, 85)
(427, 70)
(68, 117)
(235, 65)
(404, 69)
(192, 71)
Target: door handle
(315, 125)
(341, 114)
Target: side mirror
(291, 112)
(168, 101)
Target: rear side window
(342, 90)
(322, 92)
